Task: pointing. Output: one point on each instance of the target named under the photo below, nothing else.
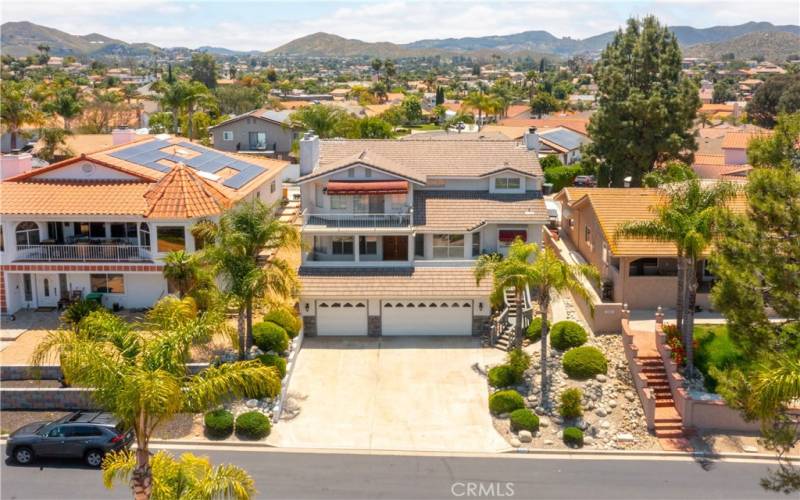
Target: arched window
(144, 234)
(27, 233)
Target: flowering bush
(675, 342)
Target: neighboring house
(103, 222)
(392, 229)
(260, 131)
(731, 160)
(639, 272)
(562, 142)
(79, 144)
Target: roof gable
(182, 193)
(367, 159)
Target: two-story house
(392, 229)
(259, 131)
(103, 222)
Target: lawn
(715, 349)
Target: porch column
(411, 248)
(356, 250)
(467, 245)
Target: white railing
(83, 253)
(338, 221)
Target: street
(289, 474)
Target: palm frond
(118, 467)
(242, 379)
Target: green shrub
(573, 436)
(505, 402)
(270, 337)
(252, 425)
(550, 161)
(534, 332)
(561, 177)
(524, 419)
(101, 322)
(276, 361)
(584, 362)
(76, 311)
(519, 361)
(285, 318)
(715, 353)
(566, 335)
(219, 423)
(570, 406)
(501, 376)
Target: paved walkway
(397, 393)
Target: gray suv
(86, 435)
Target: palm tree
(139, 371)
(54, 140)
(188, 477)
(172, 98)
(528, 266)
(18, 108)
(324, 120)
(240, 239)
(67, 103)
(181, 269)
(196, 96)
(482, 103)
(688, 219)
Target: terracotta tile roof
(468, 210)
(79, 144)
(518, 111)
(578, 124)
(435, 283)
(709, 159)
(436, 158)
(507, 131)
(73, 197)
(739, 140)
(616, 206)
(716, 108)
(183, 194)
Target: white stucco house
(102, 222)
(392, 229)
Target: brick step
(670, 434)
(658, 386)
(667, 420)
(669, 427)
(653, 368)
(664, 403)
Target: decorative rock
(514, 442)
(750, 449)
(626, 437)
(544, 422)
(604, 424)
(612, 404)
(588, 440)
(601, 378)
(548, 442)
(525, 436)
(601, 412)
(503, 415)
(251, 403)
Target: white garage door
(429, 317)
(342, 317)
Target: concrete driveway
(400, 393)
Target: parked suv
(86, 435)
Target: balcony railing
(83, 253)
(355, 221)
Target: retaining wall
(646, 395)
(56, 398)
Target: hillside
(328, 45)
(21, 39)
(775, 47)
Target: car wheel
(94, 458)
(23, 455)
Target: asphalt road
(281, 474)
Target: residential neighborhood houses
(491, 246)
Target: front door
(395, 248)
(47, 290)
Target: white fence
(83, 253)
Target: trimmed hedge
(505, 402)
(501, 376)
(524, 419)
(584, 362)
(573, 436)
(566, 335)
(534, 332)
(286, 319)
(219, 423)
(270, 337)
(570, 406)
(276, 361)
(252, 425)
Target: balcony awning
(367, 187)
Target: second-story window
(338, 202)
(342, 245)
(507, 183)
(171, 238)
(27, 233)
(476, 244)
(272, 186)
(448, 246)
(367, 172)
(318, 201)
(351, 173)
(144, 234)
(227, 135)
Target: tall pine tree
(646, 106)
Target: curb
(646, 453)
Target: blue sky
(262, 25)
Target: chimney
(309, 153)
(531, 139)
(121, 136)
(12, 165)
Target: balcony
(82, 253)
(334, 222)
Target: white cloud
(253, 24)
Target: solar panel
(564, 138)
(243, 177)
(127, 153)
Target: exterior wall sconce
(480, 306)
(307, 307)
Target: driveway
(400, 393)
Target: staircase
(668, 423)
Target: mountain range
(22, 38)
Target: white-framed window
(368, 245)
(107, 283)
(351, 173)
(272, 186)
(318, 196)
(397, 200)
(338, 203)
(367, 172)
(170, 238)
(507, 183)
(227, 135)
(476, 244)
(342, 245)
(361, 204)
(448, 246)
(27, 233)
